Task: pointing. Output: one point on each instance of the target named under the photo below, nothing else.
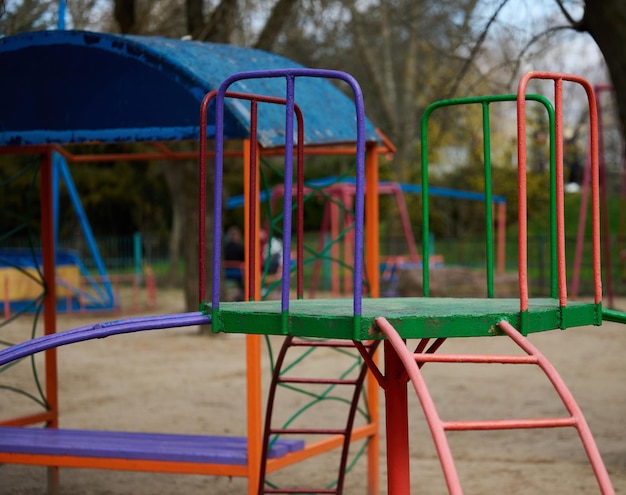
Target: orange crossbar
(125, 464)
(320, 447)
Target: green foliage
(121, 198)
(19, 193)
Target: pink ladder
(412, 362)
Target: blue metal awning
(75, 86)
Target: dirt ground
(183, 381)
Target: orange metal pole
(372, 263)
(253, 342)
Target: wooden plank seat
(61, 443)
(413, 317)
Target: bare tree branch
(383, 79)
(219, 27)
(578, 25)
(475, 49)
(275, 23)
(531, 42)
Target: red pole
(397, 423)
(48, 261)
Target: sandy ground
(180, 380)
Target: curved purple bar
(100, 331)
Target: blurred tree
(28, 15)
(605, 21)
(404, 53)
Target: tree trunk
(124, 13)
(191, 244)
(174, 178)
(274, 26)
(221, 23)
(195, 17)
(605, 21)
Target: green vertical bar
(488, 198)
(357, 328)
(554, 283)
(484, 101)
(425, 222)
(284, 322)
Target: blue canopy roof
(77, 86)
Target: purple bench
(135, 446)
(49, 446)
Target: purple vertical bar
(288, 193)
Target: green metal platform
(419, 317)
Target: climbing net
(21, 280)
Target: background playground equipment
(21, 277)
(335, 236)
(82, 61)
(21, 286)
(428, 318)
(21, 280)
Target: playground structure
(227, 456)
(396, 320)
(356, 321)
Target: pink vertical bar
(595, 193)
(595, 190)
(560, 214)
(522, 257)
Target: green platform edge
(419, 317)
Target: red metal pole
(49, 301)
(397, 424)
